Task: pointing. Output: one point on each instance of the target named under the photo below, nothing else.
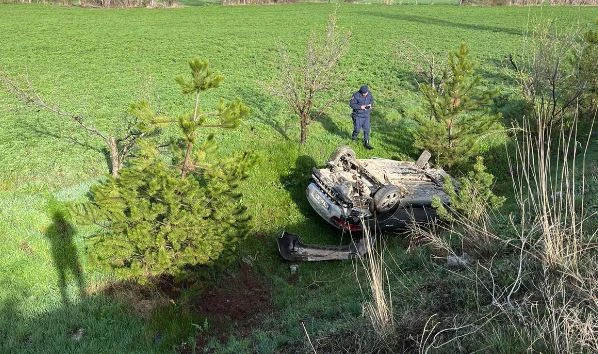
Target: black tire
(387, 198)
(342, 152)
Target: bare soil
(236, 307)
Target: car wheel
(341, 153)
(386, 198)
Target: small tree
(301, 83)
(166, 213)
(470, 204)
(472, 198)
(229, 114)
(118, 146)
(557, 73)
(457, 112)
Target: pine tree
(164, 213)
(468, 214)
(457, 112)
(473, 197)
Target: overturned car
(381, 194)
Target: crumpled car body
(382, 193)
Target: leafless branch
(30, 97)
(118, 148)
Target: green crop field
(96, 62)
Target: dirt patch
(262, 236)
(236, 307)
(26, 248)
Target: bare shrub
(555, 69)
(302, 81)
(426, 68)
(140, 122)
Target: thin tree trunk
(187, 161)
(114, 160)
(186, 168)
(303, 130)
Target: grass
(96, 62)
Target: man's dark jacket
(359, 100)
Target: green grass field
(96, 62)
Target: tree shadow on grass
(394, 136)
(39, 129)
(64, 253)
(496, 72)
(265, 110)
(96, 324)
(331, 126)
(295, 182)
(431, 21)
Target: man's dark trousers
(360, 123)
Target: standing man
(361, 103)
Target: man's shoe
(367, 145)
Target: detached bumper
(292, 249)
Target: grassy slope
(97, 61)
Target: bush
(557, 73)
(154, 222)
(473, 197)
(159, 218)
(470, 204)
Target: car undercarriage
(375, 194)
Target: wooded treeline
(528, 2)
(172, 3)
(101, 3)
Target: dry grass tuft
(378, 306)
(143, 300)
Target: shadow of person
(64, 253)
